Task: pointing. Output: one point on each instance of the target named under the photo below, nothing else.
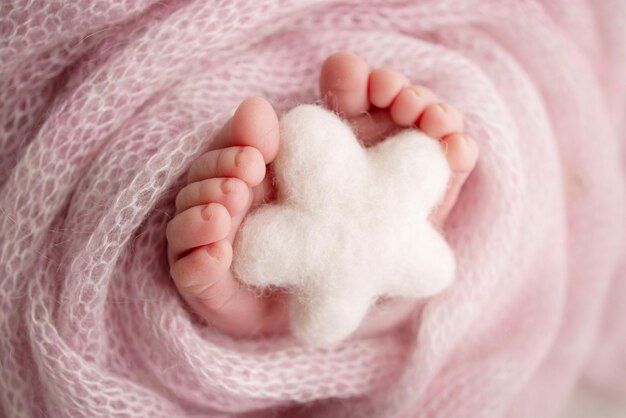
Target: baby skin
(225, 183)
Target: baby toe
(255, 124)
(195, 227)
(409, 104)
(245, 163)
(343, 84)
(197, 273)
(462, 155)
(440, 119)
(461, 152)
(384, 86)
(232, 193)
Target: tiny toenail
(442, 107)
(240, 157)
(226, 186)
(207, 213)
(416, 92)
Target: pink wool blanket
(103, 105)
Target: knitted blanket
(103, 105)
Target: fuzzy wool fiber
(350, 224)
(104, 105)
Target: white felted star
(350, 224)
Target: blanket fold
(103, 106)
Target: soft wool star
(350, 224)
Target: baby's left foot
(223, 184)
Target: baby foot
(379, 103)
(382, 101)
(225, 183)
(222, 185)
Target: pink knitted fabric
(104, 104)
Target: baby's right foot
(225, 183)
(382, 101)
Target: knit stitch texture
(103, 106)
